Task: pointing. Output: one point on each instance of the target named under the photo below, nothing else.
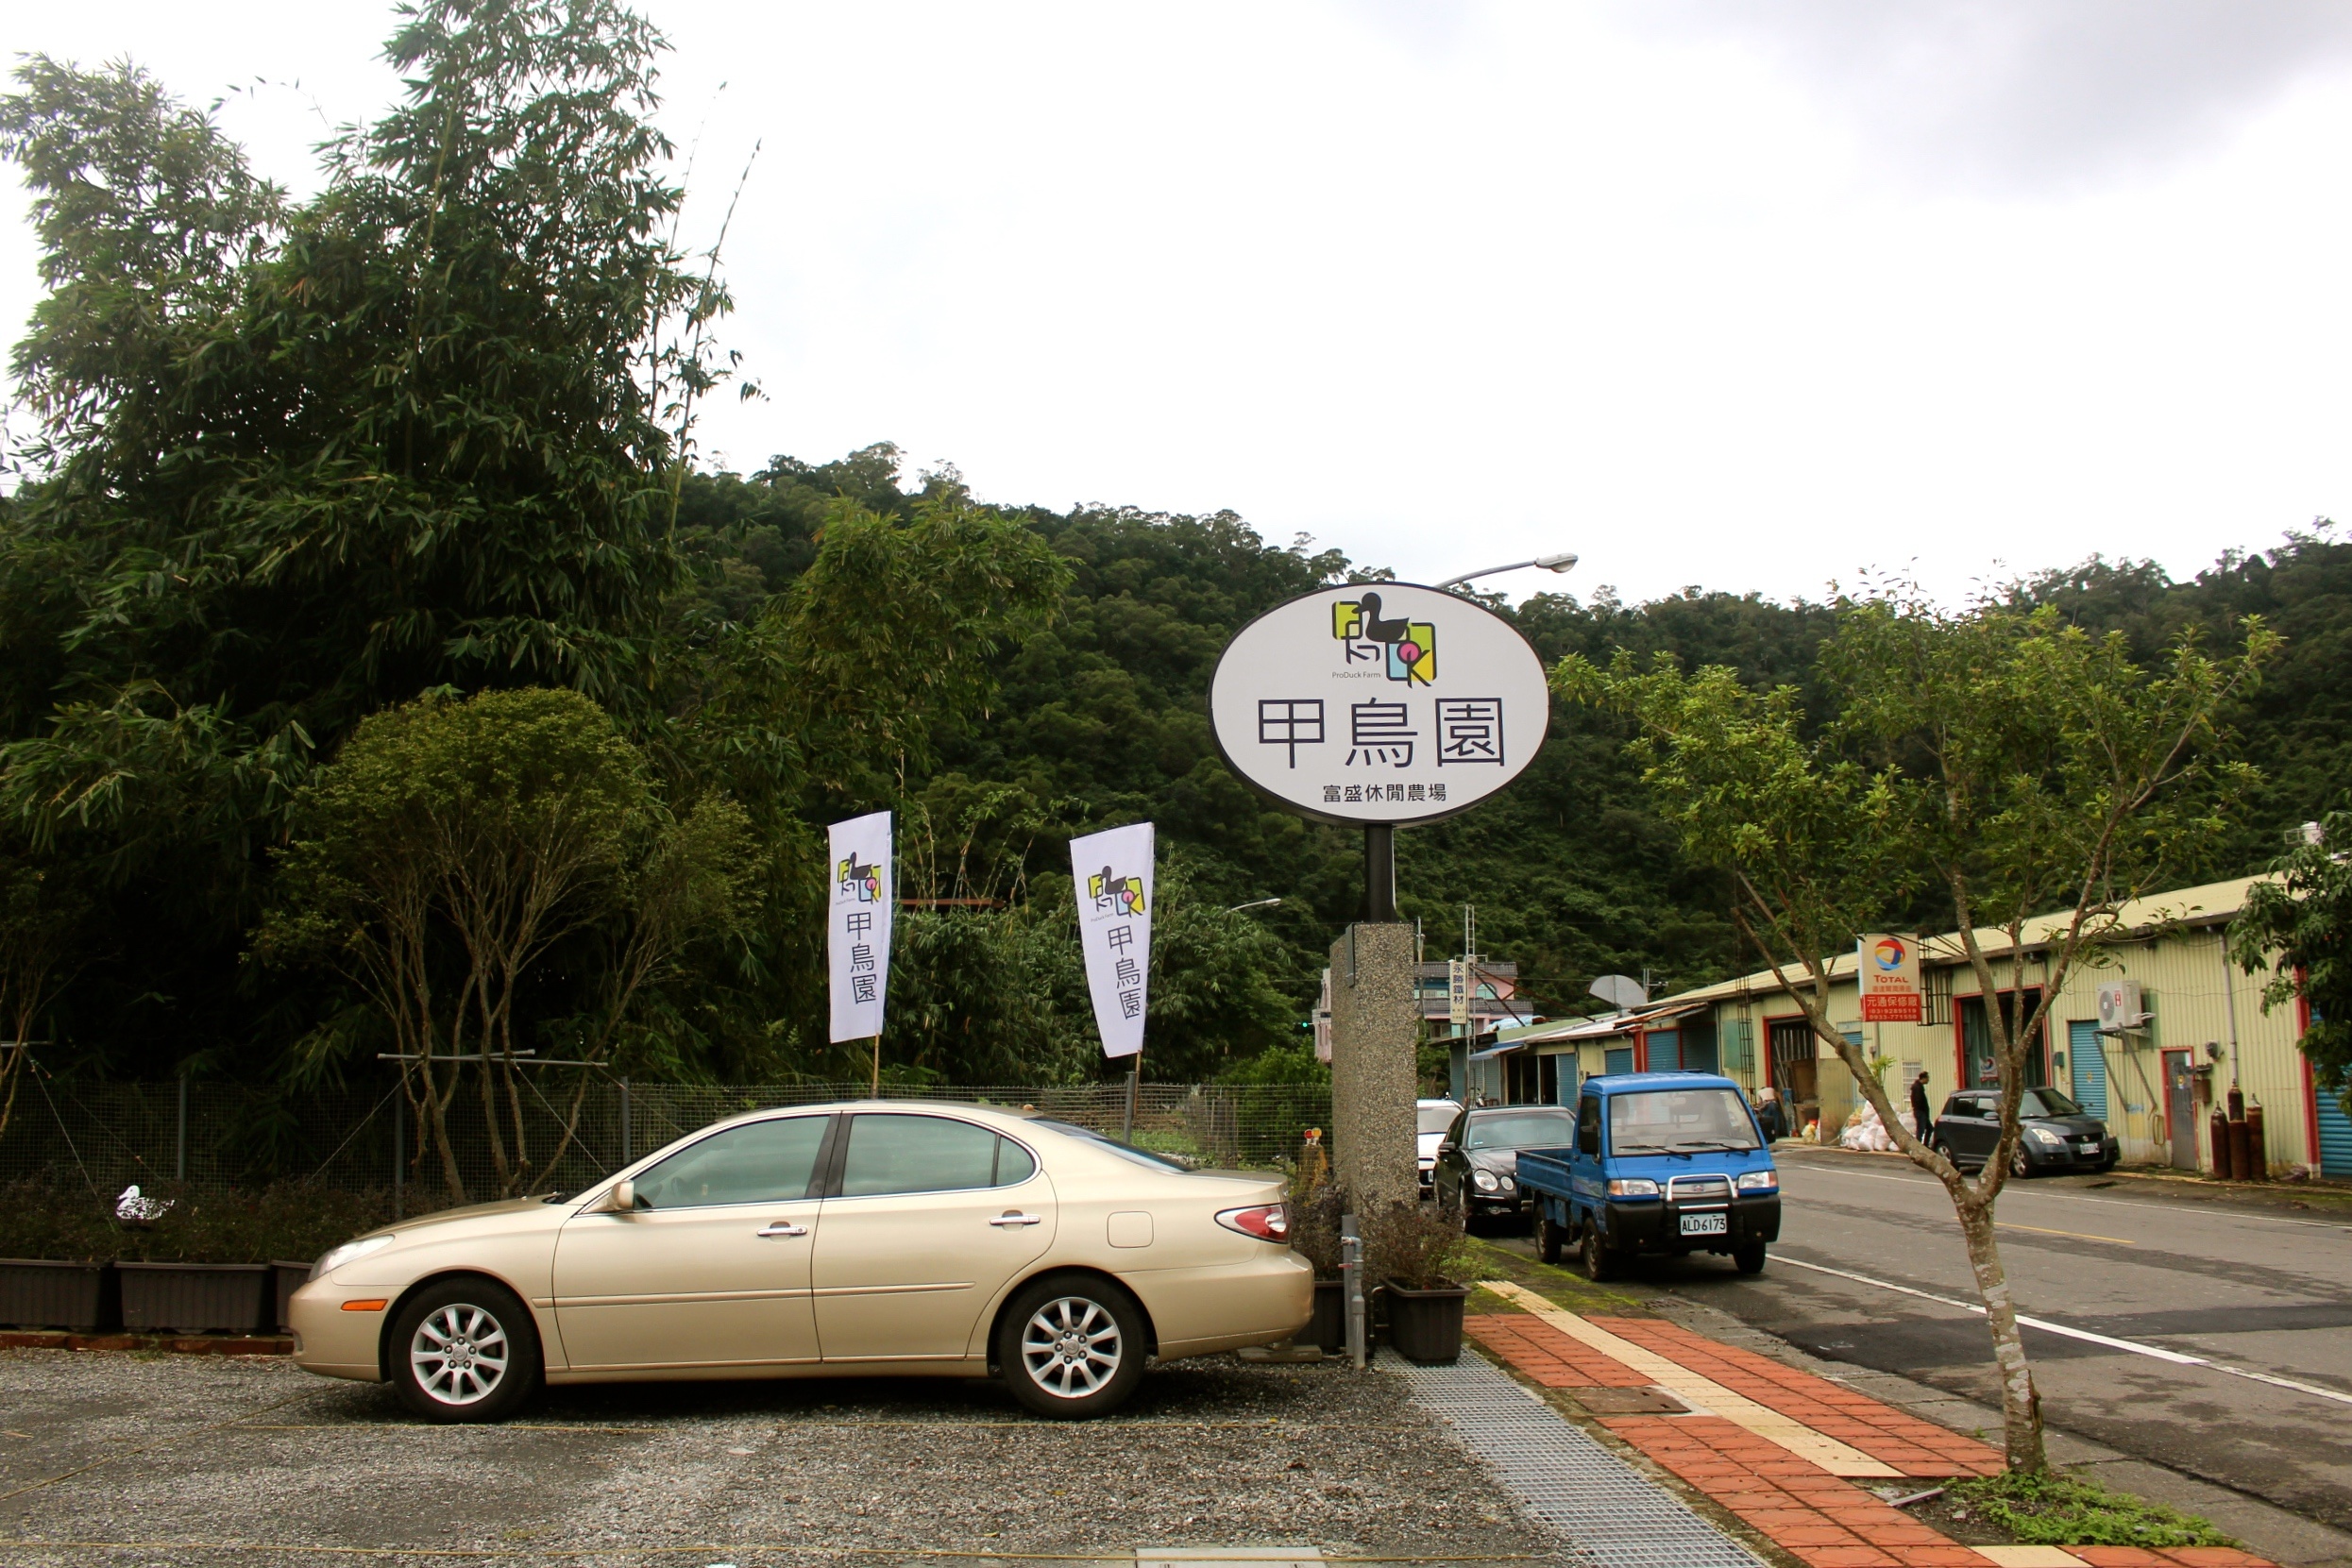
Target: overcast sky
(1742, 294)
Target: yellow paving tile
(2030, 1556)
(1836, 1457)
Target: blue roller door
(1666, 1049)
(2088, 1064)
(1618, 1061)
(2335, 1130)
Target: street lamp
(1261, 904)
(1563, 562)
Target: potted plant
(1408, 1249)
(1314, 1235)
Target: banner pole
(1126, 1126)
(876, 1092)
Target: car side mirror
(622, 1199)
(1447, 1145)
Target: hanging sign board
(1113, 875)
(1378, 702)
(858, 934)
(1458, 990)
(1887, 968)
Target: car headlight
(349, 1252)
(1759, 1181)
(2045, 1136)
(1633, 1187)
(1508, 1182)
(1485, 1180)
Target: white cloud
(1444, 287)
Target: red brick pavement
(1914, 1446)
(1548, 1357)
(1823, 1520)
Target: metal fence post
(624, 1122)
(1351, 1272)
(180, 1145)
(400, 1151)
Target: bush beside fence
(358, 1137)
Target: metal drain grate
(1610, 1516)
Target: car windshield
(1545, 1129)
(1437, 1118)
(2046, 1101)
(1124, 1150)
(1668, 1121)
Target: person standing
(1923, 1119)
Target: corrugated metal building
(2151, 1072)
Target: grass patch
(2055, 1509)
(1479, 1259)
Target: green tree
(1998, 759)
(2298, 929)
(449, 854)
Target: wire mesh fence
(552, 1132)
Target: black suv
(2054, 1132)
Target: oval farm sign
(1378, 702)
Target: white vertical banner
(1113, 875)
(858, 876)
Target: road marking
(2015, 1187)
(1696, 1388)
(2078, 1235)
(2154, 1352)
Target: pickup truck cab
(1663, 1162)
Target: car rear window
(1544, 1129)
(1124, 1150)
(889, 1153)
(1660, 1120)
(1436, 1119)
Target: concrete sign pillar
(1376, 1028)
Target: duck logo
(1888, 955)
(1115, 894)
(1406, 649)
(853, 878)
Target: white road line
(2154, 1352)
(2013, 1188)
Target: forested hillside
(325, 514)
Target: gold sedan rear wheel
(1071, 1346)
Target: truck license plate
(1703, 1224)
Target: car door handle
(783, 1227)
(1013, 1216)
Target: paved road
(2262, 1288)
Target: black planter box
(35, 1294)
(197, 1298)
(1425, 1326)
(288, 1278)
(1328, 1328)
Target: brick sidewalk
(1791, 1491)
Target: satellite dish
(1620, 991)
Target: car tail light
(1265, 1223)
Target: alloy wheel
(1071, 1347)
(459, 1353)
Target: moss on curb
(2057, 1509)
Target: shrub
(291, 1220)
(1411, 1246)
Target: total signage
(1379, 703)
(1887, 968)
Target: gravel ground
(186, 1451)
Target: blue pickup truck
(1663, 1162)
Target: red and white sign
(1886, 968)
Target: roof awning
(1492, 1051)
(1608, 1028)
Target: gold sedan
(848, 1240)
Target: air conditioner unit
(2119, 1006)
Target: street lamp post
(1565, 561)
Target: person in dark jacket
(1770, 1115)
(1923, 1119)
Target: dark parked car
(2054, 1132)
(1478, 1162)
